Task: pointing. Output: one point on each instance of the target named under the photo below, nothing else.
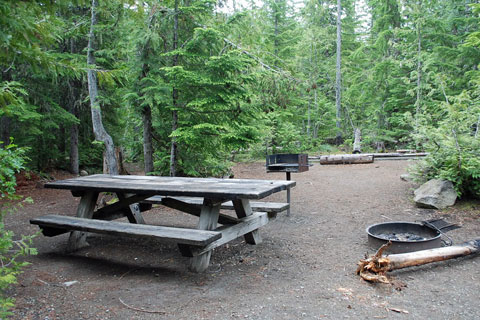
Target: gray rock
(437, 194)
(406, 177)
(83, 173)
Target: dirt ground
(304, 269)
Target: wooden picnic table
(134, 190)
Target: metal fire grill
(288, 163)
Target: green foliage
(454, 147)
(91, 155)
(11, 93)
(11, 162)
(216, 118)
(262, 78)
(449, 119)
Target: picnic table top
(175, 186)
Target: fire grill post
(288, 194)
(287, 163)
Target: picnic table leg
(288, 200)
(208, 221)
(243, 209)
(133, 212)
(78, 239)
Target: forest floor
(305, 267)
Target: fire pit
(405, 236)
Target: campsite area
(304, 269)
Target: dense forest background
(187, 86)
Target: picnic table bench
(202, 197)
(272, 208)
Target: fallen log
(346, 159)
(395, 156)
(406, 151)
(375, 268)
(386, 155)
(399, 155)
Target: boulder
(406, 177)
(437, 194)
(83, 173)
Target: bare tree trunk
(315, 108)
(4, 120)
(4, 131)
(338, 84)
(357, 142)
(74, 155)
(98, 129)
(308, 118)
(62, 144)
(276, 31)
(477, 129)
(147, 111)
(419, 76)
(147, 139)
(380, 145)
(173, 150)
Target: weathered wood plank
(288, 201)
(246, 225)
(191, 208)
(177, 235)
(176, 186)
(243, 209)
(208, 221)
(77, 239)
(133, 211)
(262, 206)
(118, 209)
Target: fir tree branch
(237, 109)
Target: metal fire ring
(423, 237)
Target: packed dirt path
(304, 269)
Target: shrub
(454, 147)
(11, 162)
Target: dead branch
(123, 275)
(375, 268)
(385, 246)
(139, 309)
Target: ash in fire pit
(405, 236)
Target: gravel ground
(304, 269)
